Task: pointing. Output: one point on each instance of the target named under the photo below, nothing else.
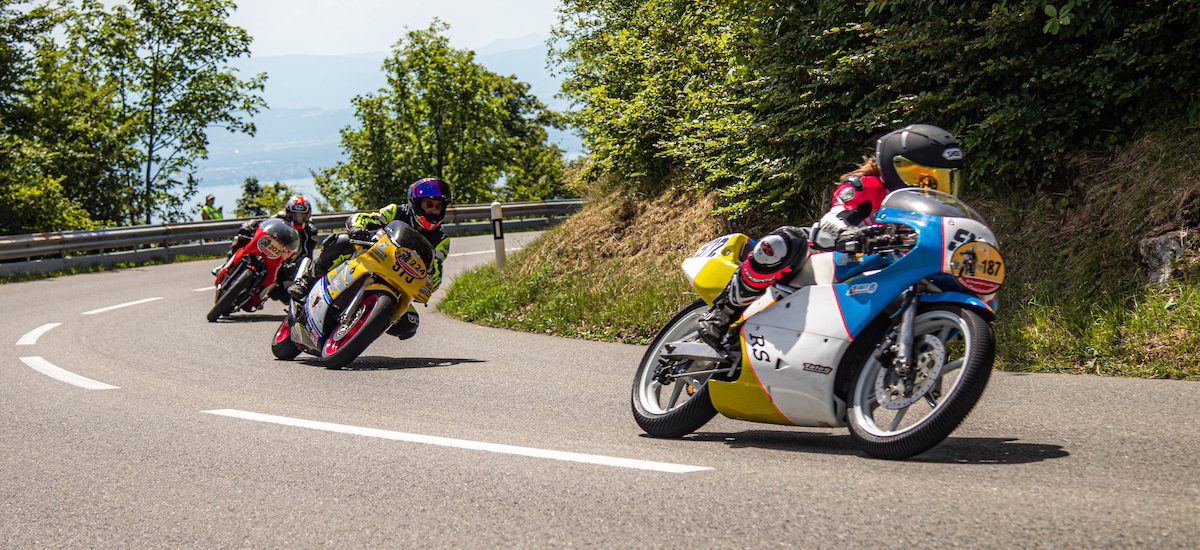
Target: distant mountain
(309, 102)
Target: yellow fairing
(395, 270)
(711, 268)
(745, 398)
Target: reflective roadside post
(498, 233)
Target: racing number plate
(271, 247)
(978, 267)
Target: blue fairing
(868, 284)
(958, 298)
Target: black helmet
(297, 211)
(920, 155)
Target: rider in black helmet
(919, 155)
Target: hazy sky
(281, 27)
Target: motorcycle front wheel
(362, 327)
(892, 417)
(228, 294)
(683, 405)
(282, 346)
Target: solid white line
(461, 443)
(203, 289)
(32, 336)
(119, 306)
(49, 369)
(483, 252)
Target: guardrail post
(498, 233)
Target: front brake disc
(895, 392)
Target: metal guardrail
(59, 250)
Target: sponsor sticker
(819, 369)
(864, 288)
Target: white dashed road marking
(119, 306)
(32, 336)
(483, 252)
(462, 443)
(49, 369)
(204, 289)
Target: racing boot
(299, 289)
(714, 323)
(406, 326)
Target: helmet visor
(946, 180)
(300, 217)
(429, 187)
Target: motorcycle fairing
(711, 267)
(787, 376)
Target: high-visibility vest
(210, 212)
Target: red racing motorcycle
(246, 280)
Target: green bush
(769, 101)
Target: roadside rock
(1159, 253)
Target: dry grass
(611, 272)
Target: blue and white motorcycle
(891, 335)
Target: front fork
(358, 296)
(897, 354)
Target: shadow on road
(253, 318)
(394, 363)
(954, 450)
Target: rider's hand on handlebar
(362, 235)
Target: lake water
(227, 195)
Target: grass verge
(610, 272)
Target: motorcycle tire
(673, 420)
(282, 346)
(371, 319)
(229, 294)
(947, 407)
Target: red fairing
(848, 196)
(272, 264)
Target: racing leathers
(784, 250)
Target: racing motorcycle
(890, 333)
(246, 280)
(358, 299)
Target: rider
(426, 207)
(918, 155)
(297, 212)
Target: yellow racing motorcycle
(358, 299)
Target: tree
(167, 63)
(33, 197)
(258, 200)
(443, 115)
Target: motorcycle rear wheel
(282, 346)
(364, 326)
(967, 354)
(657, 408)
(228, 294)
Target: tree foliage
(34, 199)
(259, 200)
(443, 115)
(167, 66)
(103, 111)
(768, 101)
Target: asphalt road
(466, 436)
